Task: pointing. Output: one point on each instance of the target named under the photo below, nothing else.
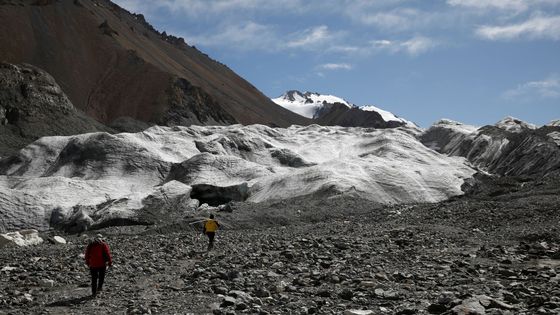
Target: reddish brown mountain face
(112, 64)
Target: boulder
(470, 306)
(59, 240)
(21, 238)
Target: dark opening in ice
(215, 195)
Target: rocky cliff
(509, 148)
(32, 105)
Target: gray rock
(346, 294)
(358, 312)
(470, 306)
(59, 240)
(228, 301)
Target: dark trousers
(210, 239)
(97, 278)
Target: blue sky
(475, 61)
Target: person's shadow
(71, 302)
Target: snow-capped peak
(554, 123)
(310, 104)
(307, 104)
(387, 116)
(512, 124)
(455, 126)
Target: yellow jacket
(211, 226)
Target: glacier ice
(97, 179)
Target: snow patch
(515, 125)
(555, 136)
(554, 123)
(386, 115)
(455, 126)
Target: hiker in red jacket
(98, 257)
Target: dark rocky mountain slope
(114, 66)
(32, 105)
(340, 115)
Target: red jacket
(98, 254)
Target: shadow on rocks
(72, 301)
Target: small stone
(288, 254)
(407, 311)
(280, 287)
(368, 284)
(324, 293)
(381, 276)
(341, 246)
(346, 294)
(277, 265)
(228, 301)
(358, 312)
(507, 273)
(28, 297)
(46, 283)
(219, 290)
(261, 292)
(437, 309)
(241, 306)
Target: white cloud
(335, 66)
(510, 5)
(547, 88)
(254, 36)
(205, 8)
(247, 36)
(400, 19)
(346, 49)
(310, 37)
(538, 27)
(414, 46)
(418, 45)
(516, 6)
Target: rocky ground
(495, 252)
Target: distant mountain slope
(511, 147)
(308, 104)
(330, 110)
(113, 64)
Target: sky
(474, 61)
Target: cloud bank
(533, 90)
(534, 28)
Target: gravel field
(495, 251)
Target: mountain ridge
(330, 110)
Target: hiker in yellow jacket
(210, 228)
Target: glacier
(98, 179)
